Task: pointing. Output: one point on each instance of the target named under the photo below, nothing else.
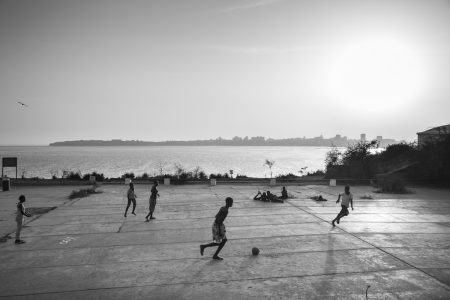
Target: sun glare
(377, 74)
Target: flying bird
(21, 103)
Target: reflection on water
(115, 161)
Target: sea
(46, 161)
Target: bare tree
(179, 169)
(197, 171)
(161, 166)
(270, 164)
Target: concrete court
(86, 249)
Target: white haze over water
(115, 161)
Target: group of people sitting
(269, 197)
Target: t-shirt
(222, 214)
(154, 192)
(345, 199)
(20, 211)
(131, 194)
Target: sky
(184, 70)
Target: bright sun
(377, 74)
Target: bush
(128, 175)
(74, 175)
(287, 176)
(219, 176)
(391, 184)
(98, 177)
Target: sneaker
(152, 218)
(202, 249)
(147, 220)
(19, 242)
(337, 221)
(133, 213)
(332, 222)
(125, 215)
(216, 257)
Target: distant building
(363, 137)
(432, 135)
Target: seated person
(284, 193)
(261, 197)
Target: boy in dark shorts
(218, 230)
(347, 198)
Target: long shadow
(329, 266)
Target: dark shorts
(344, 210)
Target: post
(166, 181)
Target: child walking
(347, 198)
(218, 230)
(131, 198)
(152, 201)
(19, 218)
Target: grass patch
(84, 192)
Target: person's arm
(22, 210)
(351, 201)
(339, 198)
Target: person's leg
(216, 255)
(202, 247)
(18, 230)
(134, 206)
(343, 213)
(152, 208)
(128, 206)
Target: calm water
(115, 161)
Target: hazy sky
(164, 70)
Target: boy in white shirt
(347, 198)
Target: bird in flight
(21, 103)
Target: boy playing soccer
(218, 230)
(19, 218)
(347, 198)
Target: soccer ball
(255, 251)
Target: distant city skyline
(337, 140)
(188, 70)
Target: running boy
(131, 199)
(218, 230)
(347, 198)
(19, 218)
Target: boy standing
(347, 198)
(19, 218)
(218, 230)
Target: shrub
(391, 184)
(74, 175)
(287, 176)
(128, 175)
(98, 176)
